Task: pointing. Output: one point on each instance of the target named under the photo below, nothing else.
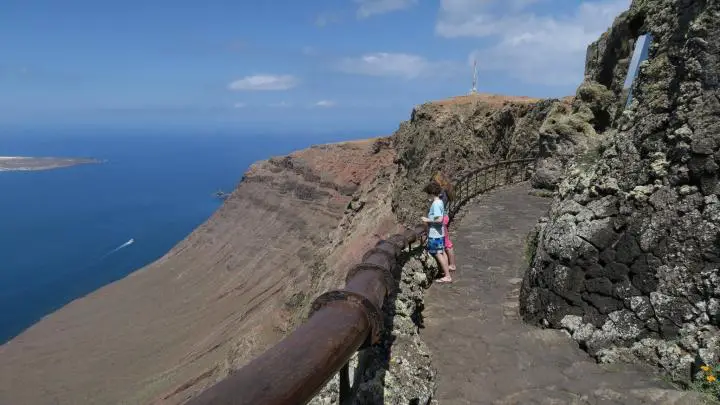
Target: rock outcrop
(459, 135)
(572, 132)
(571, 129)
(627, 261)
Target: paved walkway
(484, 354)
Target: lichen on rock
(637, 228)
(571, 130)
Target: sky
(285, 64)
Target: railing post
(345, 389)
(467, 189)
(526, 172)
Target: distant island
(24, 163)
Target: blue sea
(64, 233)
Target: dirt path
(484, 354)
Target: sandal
(444, 281)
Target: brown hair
(433, 188)
(442, 180)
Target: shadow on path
(483, 352)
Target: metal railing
(342, 321)
(486, 178)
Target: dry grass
(495, 100)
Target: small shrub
(707, 381)
(531, 242)
(295, 301)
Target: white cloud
(265, 82)
(282, 104)
(383, 64)
(367, 8)
(544, 49)
(309, 51)
(325, 103)
(327, 18)
(239, 105)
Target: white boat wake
(123, 246)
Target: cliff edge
(232, 288)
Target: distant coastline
(26, 163)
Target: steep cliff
(628, 259)
(235, 286)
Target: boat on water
(221, 194)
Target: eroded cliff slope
(238, 283)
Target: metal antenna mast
(474, 80)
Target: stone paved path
(484, 354)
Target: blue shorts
(435, 245)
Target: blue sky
(295, 65)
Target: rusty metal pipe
(317, 349)
(294, 370)
(369, 284)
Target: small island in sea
(26, 163)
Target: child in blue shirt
(436, 237)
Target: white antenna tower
(474, 81)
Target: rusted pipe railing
(340, 322)
(468, 186)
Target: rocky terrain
(627, 261)
(459, 135)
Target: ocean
(65, 233)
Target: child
(436, 240)
(446, 195)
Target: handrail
(341, 321)
(468, 186)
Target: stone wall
(628, 259)
(399, 369)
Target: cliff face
(234, 287)
(628, 260)
(459, 135)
